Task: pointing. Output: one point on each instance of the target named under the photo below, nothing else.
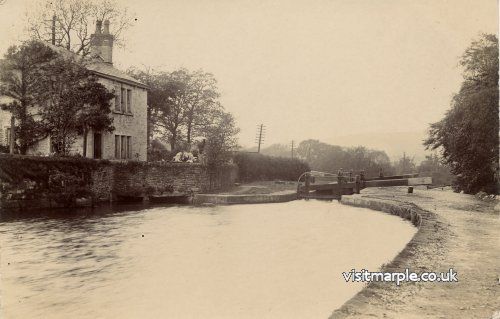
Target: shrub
(258, 167)
(62, 179)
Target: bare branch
(75, 22)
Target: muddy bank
(455, 231)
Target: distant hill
(394, 144)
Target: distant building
(129, 108)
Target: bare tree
(75, 21)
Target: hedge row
(258, 167)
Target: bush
(62, 179)
(258, 167)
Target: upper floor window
(129, 101)
(123, 100)
(117, 100)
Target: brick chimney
(101, 42)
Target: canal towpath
(457, 231)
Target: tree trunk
(172, 143)
(85, 133)
(12, 141)
(189, 133)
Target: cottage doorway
(97, 145)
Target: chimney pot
(106, 27)
(98, 25)
(101, 42)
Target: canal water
(245, 261)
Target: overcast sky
(308, 69)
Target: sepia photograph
(253, 159)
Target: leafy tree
(468, 134)
(182, 104)
(94, 112)
(221, 140)
(202, 106)
(21, 75)
(167, 103)
(74, 102)
(75, 22)
(259, 167)
(171, 118)
(158, 95)
(330, 158)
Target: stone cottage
(129, 109)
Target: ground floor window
(123, 147)
(129, 146)
(117, 146)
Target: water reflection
(254, 261)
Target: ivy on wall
(59, 179)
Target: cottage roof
(99, 67)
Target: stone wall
(144, 179)
(36, 182)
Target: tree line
(467, 136)
(329, 158)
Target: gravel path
(458, 231)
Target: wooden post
(358, 184)
(340, 179)
(307, 184)
(362, 180)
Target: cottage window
(117, 100)
(117, 146)
(124, 147)
(129, 146)
(123, 100)
(129, 101)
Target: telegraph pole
(54, 29)
(260, 136)
(292, 148)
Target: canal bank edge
(228, 199)
(418, 255)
